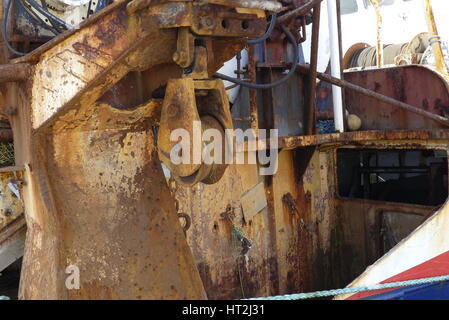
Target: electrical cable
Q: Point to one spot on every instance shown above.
(5, 28)
(44, 5)
(33, 18)
(33, 12)
(27, 11)
(292, 39)
(29, 15)
(268, 33)
(48, 15)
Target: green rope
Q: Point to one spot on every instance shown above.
(241, 244)
(329, 293)
(4, 298)
(240, 241)
(6, 154)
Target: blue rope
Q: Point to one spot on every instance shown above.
(329, 293)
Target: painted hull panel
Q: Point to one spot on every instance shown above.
(431, 291)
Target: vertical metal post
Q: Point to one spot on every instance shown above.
(311, 110)
(380, 46)
(253, 110)
(335, 65)
(436, 45)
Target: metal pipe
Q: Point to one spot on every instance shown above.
(272, 6)
(14, 72)
(252, 71)
(335, 65)
(436, 45)
(311, 112)
(380, 97)
(298, 12)
(395, 170)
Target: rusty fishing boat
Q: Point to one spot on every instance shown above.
(93, 207)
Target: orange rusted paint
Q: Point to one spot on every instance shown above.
(95, 195)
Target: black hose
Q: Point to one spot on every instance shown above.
(268, 33)
(5, 28)
(48, 15)
(33, 18)
(53, 25)
(292, 39)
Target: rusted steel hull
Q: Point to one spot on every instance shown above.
(96, 198)
(424, 253)
(123, 236)
(308, 237)
(95, 195)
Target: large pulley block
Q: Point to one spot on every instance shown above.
(190, 108)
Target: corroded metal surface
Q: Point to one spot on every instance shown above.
(96, 197)
(381, 98)
(407, 136)
(95, 194)
(313, 238)
(99, 215)
(14, 72)
(193, 106)
(415, 85)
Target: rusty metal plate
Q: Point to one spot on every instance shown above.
(415, 85)
(254, 201)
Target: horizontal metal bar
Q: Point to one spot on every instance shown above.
(395, 170)
(272, 6)
(14, 72)
(12, 169)
(298, 12)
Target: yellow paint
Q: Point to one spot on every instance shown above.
(436, 45)
(380, 47)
